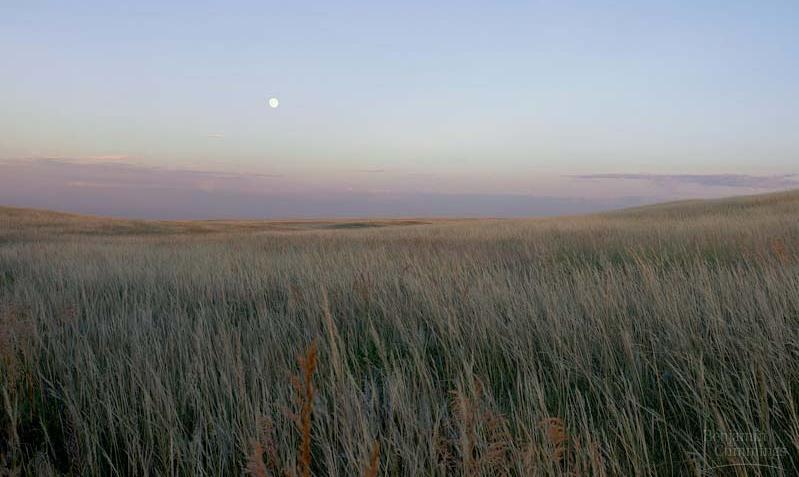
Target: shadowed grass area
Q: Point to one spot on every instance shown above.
(369, 224)
(656, 341)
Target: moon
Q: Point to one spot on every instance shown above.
(274, 103)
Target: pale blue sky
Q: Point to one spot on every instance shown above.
(487, 98)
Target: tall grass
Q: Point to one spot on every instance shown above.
(662, 341)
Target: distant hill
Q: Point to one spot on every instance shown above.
(779, 203)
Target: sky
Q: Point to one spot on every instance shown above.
(160, 109)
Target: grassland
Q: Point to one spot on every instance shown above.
(662, 340)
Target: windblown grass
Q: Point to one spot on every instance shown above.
(658, 341)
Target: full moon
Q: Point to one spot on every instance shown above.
(273, 103)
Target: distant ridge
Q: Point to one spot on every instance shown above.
(773, 202)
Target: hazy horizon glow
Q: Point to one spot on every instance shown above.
(574, 101)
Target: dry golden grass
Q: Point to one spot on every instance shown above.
(303, 386)
(373, 468)
(639, 342)
(255, 461)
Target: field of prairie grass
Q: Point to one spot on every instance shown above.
(662, 340)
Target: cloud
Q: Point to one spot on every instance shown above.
(90, 159)
(99, 172)
(369, 171)
(109, 158)
(112, 185)
(709, 180)
(215, 174)
(215, 136)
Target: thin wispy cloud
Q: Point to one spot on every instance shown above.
(707, 180)
(215, 136)
(89, 159)
(217, 174)
(102, 172)
(125, 163)
(109, 157)
(113, 185)
(369, 171)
